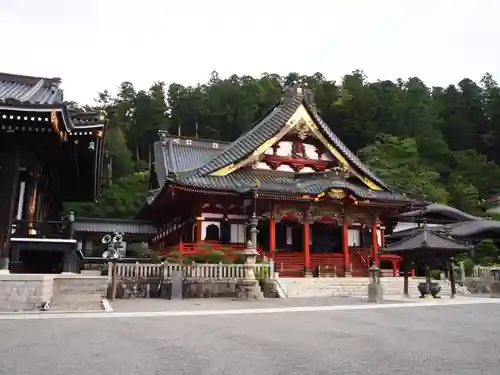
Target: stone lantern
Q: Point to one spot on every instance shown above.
(249, 287)
(374, 287)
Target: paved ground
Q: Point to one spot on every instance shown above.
(410, 340)
(158, 304)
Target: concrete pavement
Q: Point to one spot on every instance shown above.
(457, 339)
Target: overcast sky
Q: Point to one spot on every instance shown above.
(96, 44)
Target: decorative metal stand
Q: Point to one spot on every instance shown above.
(114, 242)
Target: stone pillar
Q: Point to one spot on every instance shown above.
(67, 261)
(462, 272)
(495, 283)
(307, 250)
(345, 248)
(374, 287)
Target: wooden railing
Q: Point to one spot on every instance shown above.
(363, 256)
(194, 271)
(479, 273)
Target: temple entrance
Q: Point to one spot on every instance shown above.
(326, 238)
(32, 261)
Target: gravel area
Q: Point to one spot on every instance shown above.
(458, 340)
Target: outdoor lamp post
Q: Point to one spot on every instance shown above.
(374, 287)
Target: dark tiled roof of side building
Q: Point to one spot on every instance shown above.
(37, 92)
(97, 225)
(181, 154)
(426, 238)
(439, 209)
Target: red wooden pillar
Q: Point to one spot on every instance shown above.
(272, 237)
(345, 247)
(307, 250)
(199, 228)
(395, 268)
(375, 244)
(181, 246)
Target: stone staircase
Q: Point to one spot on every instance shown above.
(350, 287)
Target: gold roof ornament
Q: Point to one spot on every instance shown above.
(337, 194)
(54, 121)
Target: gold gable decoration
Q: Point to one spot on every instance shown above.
(301, 124)
(337, 193)
(54, 121)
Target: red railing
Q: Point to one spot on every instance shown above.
(203, 248)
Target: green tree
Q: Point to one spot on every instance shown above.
(120, 200)
(396, 161)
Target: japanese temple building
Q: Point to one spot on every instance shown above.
(49, 154)
(316, 203)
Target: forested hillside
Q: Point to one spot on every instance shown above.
(438, 142)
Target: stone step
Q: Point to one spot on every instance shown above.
(301, 287)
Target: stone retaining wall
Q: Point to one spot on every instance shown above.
(29, 291)
(24, 292)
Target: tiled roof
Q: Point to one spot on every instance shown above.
(266, 128)
(440, 209)
(83, 119)
(245, 180)
(178, 155)
(109, 225)
(343, 149)
(190, 162)
(473, 228)
(37, 92)
(426, 238)
(29, 90)
(271, 124)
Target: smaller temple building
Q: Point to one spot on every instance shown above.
(49, 154)
(315, 204)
